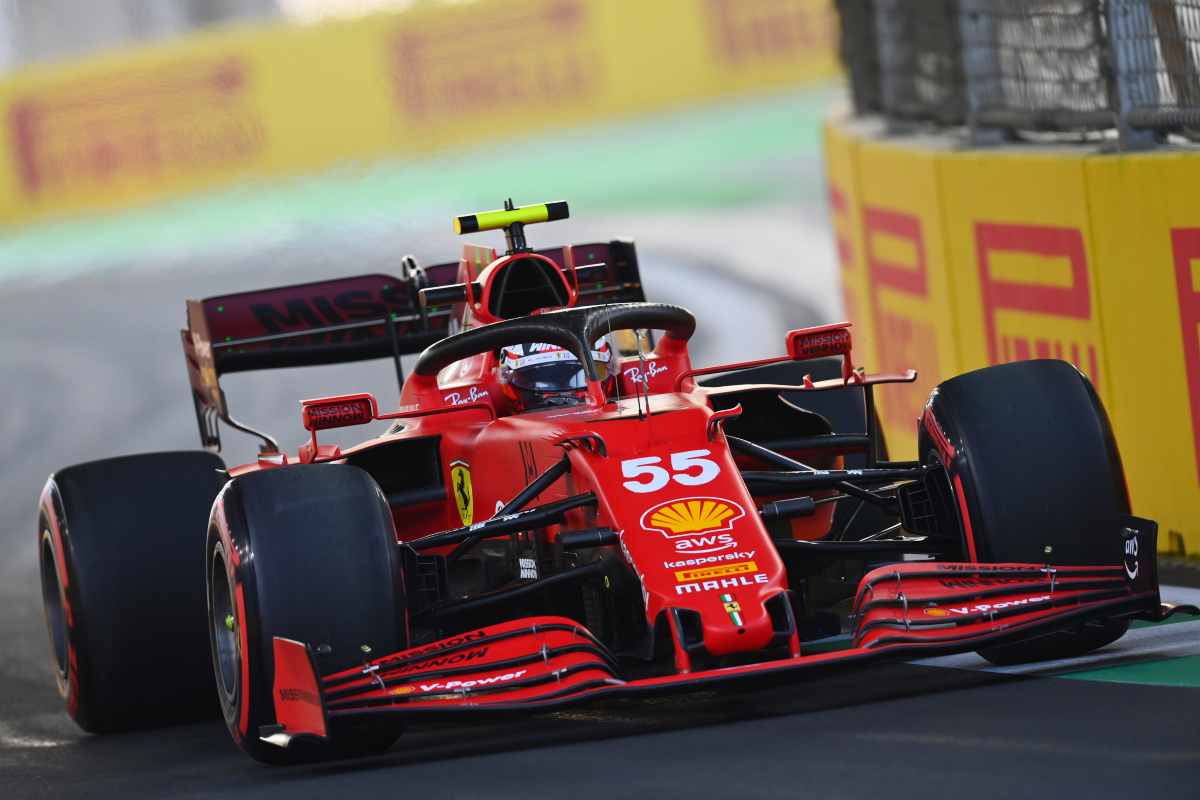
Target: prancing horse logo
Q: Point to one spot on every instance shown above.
(464, 495)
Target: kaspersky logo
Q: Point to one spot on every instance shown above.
(692, 515)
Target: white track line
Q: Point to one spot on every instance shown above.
(10, 738)
(1180, 594)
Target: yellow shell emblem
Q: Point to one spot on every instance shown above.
(692, 515)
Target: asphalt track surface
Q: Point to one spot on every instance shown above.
(92, 369)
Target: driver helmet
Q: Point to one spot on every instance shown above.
(540, 375)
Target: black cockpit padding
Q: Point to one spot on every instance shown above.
(574, 329)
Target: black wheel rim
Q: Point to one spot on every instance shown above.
(52, 601)
(223, 623)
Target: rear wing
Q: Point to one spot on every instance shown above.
(353, 319)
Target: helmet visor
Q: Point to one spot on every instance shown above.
(558, 376)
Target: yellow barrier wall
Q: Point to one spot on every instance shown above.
(1033, 253)
(845, 214)
(1146, 223)
(908, 291)
(160, 122)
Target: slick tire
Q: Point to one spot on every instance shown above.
(307, 553)
(1032, 462)
(119, 545)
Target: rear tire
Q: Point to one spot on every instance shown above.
(1033, 464)
(122, 587)
(308, 553)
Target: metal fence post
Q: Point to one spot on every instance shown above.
(894, 61)
(1132, 37)
(981, 67)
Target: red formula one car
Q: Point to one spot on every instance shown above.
(565, 508)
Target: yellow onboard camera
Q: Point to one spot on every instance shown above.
(512, 219)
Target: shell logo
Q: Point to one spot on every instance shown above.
(692, 515)
(936, 612)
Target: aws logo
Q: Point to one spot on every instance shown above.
(692, 545)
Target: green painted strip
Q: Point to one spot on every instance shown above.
(1184, 672)
(721, 155)
(1141, 623)
(826, 645)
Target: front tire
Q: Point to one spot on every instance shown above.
(307, 553)
(1033, 465)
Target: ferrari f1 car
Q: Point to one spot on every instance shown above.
(564, 508)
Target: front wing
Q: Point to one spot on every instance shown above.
(909, 610)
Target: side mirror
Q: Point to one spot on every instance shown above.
(449, 294)
(340, 411)
(822, 341)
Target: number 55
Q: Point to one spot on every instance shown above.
(682, 465)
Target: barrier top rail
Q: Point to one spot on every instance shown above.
(1010, 69)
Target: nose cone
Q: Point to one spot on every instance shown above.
(708, 575)
(696, 542)
(728, 600)
(690, 531)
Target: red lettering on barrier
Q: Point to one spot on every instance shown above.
(1185, 244)
(902, 340)
(193, 115)
(840, 212)
(760, 30)
(845, 249)
(1071, 302)
(512, 56)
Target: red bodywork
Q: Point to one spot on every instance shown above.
(691, 540)
(669, 483)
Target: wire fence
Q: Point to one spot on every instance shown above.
(859, 54)
(920, 60)
(1157, 48)
(1037, 64)
(1061, 66)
